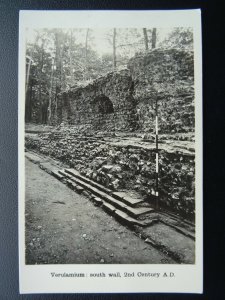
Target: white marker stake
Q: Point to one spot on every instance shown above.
(157, 154)
(157, 163)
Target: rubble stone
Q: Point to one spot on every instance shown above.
(89, 119)
(126, 101)
(176, 170)
(168, 76)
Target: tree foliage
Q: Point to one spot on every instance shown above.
(58, 59)
(180, 38)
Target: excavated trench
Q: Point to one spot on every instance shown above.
(171, 235)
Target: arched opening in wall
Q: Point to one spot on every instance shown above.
(103, 112)
(103, 105)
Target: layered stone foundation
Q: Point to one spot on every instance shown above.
(119, 163)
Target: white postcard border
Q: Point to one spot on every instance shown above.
(37, 278)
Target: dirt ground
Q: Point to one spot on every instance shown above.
(63, 227)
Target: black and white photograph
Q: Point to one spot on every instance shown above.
(110, 149)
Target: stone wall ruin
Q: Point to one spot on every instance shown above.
(105, 104)
(167, 75)
(97, 120)
(130, 95)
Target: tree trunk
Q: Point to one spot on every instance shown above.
(28, 95)
(40, 100)
(57, 65)
(28, 74)
(153, 38)
(58, 60)
(114, 49)
(28, 104)
(86, 55)
(145, 38)
(50, 96)
(71, 63)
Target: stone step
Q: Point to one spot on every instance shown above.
(127, 199)
(98, 201)
(57, 174)
(49, 168)
(123, 210)
(114, 202)
(63, 173)
(121, 196)
(71, 184)
(99, 193)
(108, 207)
(123, 217)
(33, 157)
(74, 186)
(134, 212)
(79, 189)
(76, 174)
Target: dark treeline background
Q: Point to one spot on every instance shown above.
(58, 59)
